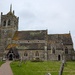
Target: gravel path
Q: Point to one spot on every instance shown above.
(5, 69)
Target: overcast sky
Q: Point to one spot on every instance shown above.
(58, 16)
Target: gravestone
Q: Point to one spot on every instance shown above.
(48, 74)
(61, 67)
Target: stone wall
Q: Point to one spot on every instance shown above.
(31, 54)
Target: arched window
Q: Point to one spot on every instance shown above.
(36, 53)
(53, 51)
(4, 23)
(25, 54)
(9, 22)
(66, 50)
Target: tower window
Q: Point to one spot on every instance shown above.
(4, 23)
(9, 22)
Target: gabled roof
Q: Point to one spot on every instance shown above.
(61, 38)
(30, 35)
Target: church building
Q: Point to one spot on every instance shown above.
(32, 44)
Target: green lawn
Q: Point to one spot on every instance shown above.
(36, 68)
(41, 68)
(1, 62)
(69, 68)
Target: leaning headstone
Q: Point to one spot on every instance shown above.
(61, 68)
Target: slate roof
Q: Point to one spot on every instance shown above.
(30, 35)
(33, 46)
(64, 39)
(58, 40)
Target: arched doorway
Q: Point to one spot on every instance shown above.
(59, 57)
(13, 54)
(10, 56)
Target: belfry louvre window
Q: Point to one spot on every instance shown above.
(4, 23)
(9, 22)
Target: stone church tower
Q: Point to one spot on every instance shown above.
(9, 25)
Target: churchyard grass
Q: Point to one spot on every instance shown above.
(69, 68)
(35, 68)
(42, 68)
